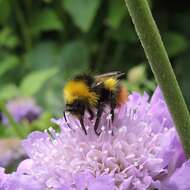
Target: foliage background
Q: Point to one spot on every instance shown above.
(45, 42)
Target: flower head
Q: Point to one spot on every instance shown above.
(140, 150)
(23, 108)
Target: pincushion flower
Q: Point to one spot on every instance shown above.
(22, 108)
(140, 150)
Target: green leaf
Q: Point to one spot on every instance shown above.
(116, 13)
(8, 91)
(7, 38)
(2, 131)
(182, 71)
(46, 20)
(41, 56)
(175, 43)
(82, 12)
(53, 99)
(6, 132)
(42, 123)
(32, 83)
(149, 85)
(5, 9)
(8, 63)
(125, 33)
(74, 58)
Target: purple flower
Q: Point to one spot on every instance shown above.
(139, 151)
(23, 108)
(180, 180)
(17, 181)
(3, 177)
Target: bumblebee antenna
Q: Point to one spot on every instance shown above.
(64, 115)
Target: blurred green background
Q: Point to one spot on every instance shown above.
(43, 43)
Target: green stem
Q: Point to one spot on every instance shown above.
(158, 59)
(23, 26)
(12, 122)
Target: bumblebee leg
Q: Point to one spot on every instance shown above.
(112, 114)
(112, 106)
(99, 113)
(91, 114)
(64, 115)
(82, 124)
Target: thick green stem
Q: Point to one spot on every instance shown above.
(158, 59)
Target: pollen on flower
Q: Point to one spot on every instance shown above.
(103, 128)
(140, 139)
(109, 116)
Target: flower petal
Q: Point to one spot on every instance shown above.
(180, 180)
(102, 183)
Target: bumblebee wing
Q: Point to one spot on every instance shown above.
(99, 79)
(115, 74)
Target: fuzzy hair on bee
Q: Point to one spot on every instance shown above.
(90, 93)
(76, 89)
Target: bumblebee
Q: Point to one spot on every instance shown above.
(90, 93)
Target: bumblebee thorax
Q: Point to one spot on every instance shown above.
(110, 83)
(79, 90)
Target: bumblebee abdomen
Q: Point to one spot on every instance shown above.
(122, 95)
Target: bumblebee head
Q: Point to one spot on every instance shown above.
(77, 108)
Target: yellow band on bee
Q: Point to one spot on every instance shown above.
(110, 83)
(79, 90)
